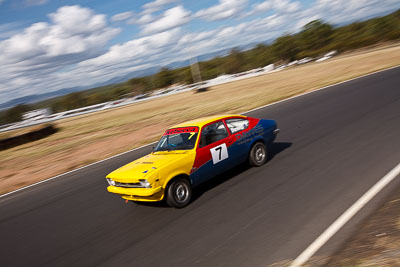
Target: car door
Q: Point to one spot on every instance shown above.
(212, 156)
(238, 128)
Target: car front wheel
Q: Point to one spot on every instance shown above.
(258, 154)
(179, 193)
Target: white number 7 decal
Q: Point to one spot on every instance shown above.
(219, 153)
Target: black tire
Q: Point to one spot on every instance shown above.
(258, 154)
(179, 193)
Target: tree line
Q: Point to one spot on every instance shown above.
(314, 39)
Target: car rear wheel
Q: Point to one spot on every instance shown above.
(179, 193)
(258, 154)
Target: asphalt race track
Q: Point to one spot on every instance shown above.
(334, 145)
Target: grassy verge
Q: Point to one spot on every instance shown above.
(85, 139)
(377, 241)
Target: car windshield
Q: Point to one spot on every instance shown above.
(178, 139)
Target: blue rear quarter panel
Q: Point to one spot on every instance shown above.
(266, 135)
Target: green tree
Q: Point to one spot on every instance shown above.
(349, 37)
(384, 28)
(163, 78)
(263, 55)
(70, 101)
(315, 35)
(285, 48)
(233, 62)
(96, 98)
(212, 68)
(183, 75)
(140, 85)
(14, 114)
(121, 90)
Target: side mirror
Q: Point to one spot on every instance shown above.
(152, 149)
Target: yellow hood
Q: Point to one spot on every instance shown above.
(145, 167)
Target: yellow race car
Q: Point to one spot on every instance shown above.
(189, 154)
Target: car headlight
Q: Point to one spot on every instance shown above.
(145, 183)
(111, 182)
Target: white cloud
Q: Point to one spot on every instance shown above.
(197, 37)
(223, 10)
(73, 34)
(75, 20)
(120, 59)
(147, 16)
(285, 6)
(263, 6)
(342, 11)
(145, 19)
(131, 18)
(279, 6)
(136, 50)
(156, 5)
(122, 16)
(171, 18)
(227, 37)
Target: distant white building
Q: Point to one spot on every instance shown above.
(37, 114)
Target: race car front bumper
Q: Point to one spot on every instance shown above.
(138, 194)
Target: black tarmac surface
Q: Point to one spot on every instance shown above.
(333, 146)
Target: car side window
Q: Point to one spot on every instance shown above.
(213, 133)
(237, 125)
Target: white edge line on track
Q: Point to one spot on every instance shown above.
(270, 104)
(345, 217)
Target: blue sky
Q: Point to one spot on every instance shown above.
(46, 45)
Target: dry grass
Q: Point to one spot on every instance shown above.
(92, 137)
(377, 240)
